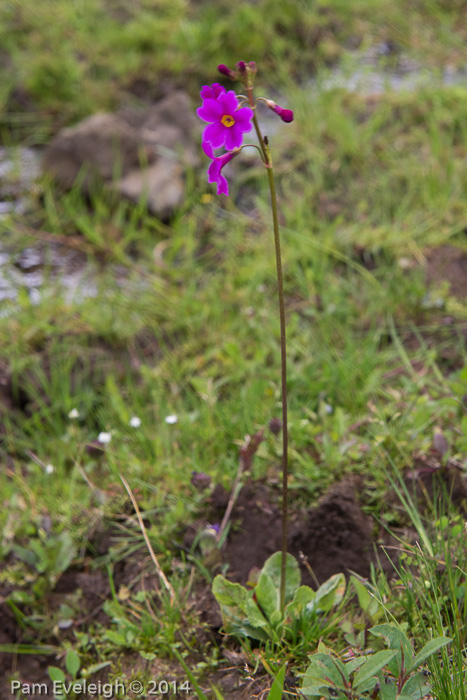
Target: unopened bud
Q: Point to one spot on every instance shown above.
(226, 71)
(285, 114)
(253, 67)
(200, 480)
(241, 67)
(275, 425)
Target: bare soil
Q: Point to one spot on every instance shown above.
(334, 536)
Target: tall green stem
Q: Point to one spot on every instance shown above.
(280, 285)
(285, 437)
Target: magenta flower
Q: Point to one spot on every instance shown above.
(215, 171)
(227, 123)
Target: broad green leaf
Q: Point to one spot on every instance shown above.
(26, 555)
(72, 662)
(329, 594)
(228, 593)
(272, 567)
(267, 595)
(387, 690)
(372, 666)
(397, 640)
(430, 648)
(116, 638)
(254, 615)
(303, 596)
(278, 686)
(56, 674)
(276, 618)
(321, 673)
(352, 666)
(416, 687)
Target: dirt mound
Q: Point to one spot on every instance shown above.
(447, 263)
(335, 536)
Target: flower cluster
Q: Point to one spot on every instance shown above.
(228, 121)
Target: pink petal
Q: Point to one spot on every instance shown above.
(244, 114)
(215, 175)
(215, 135)
(233, 138)
(214, 171)
(222, 186)
(207, 148)
(229, 102)
(210, 111)
(212, 91)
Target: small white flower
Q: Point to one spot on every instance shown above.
(135, 422)
(328, 408)
(171, 419)
(104, 438)
(74, 413)
(49, 469)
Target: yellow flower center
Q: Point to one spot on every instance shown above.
(227, 120)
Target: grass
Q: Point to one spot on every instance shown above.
(96, 52)
(183, 320)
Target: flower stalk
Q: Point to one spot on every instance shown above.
(266, 152)
(228, 122)
(285, 437)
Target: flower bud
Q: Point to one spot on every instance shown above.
(285, 114)
(253, 67)
(241, 67)
(226, 71)
(275, 425)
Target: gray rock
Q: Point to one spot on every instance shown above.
(102, 144)
(140, 153)
(161, 185)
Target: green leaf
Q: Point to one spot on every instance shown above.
(415, 688)
(430, 648)
(272, 567)
(278, 686)
(116, 638)
(72, 662)
(267, 595)
(322, 673)
(388, 689)
(56, 674)
(94, 668)
(66, 552)
(233, 595)
(353, 665)
(329, 594)
(372, 666)
(364, 599)
(303, 596)
(397, 640)
(255, 616)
